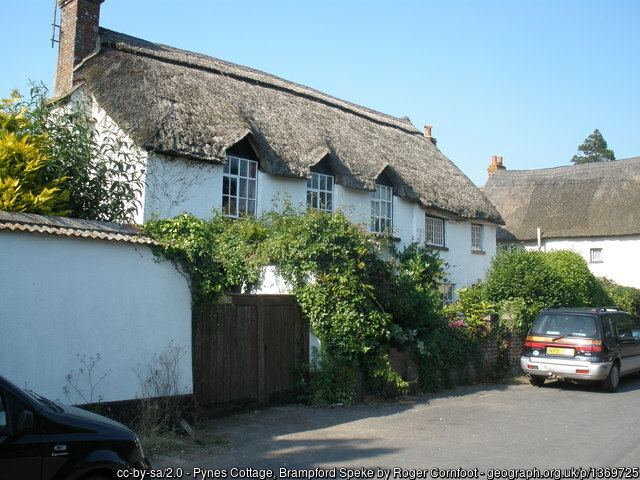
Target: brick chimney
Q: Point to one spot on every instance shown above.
(496, 164)
(78, 39)
(427, 133)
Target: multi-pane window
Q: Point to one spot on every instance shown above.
(434, 231)
(382, 209)
(595, 255)
(447, 290)
(239, 187)
(320, 192)
(476, 236)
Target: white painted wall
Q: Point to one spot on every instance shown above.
(65, 299)
(620, 255)
(466, 266)
(177, 185)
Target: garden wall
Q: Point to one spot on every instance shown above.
(86, 309)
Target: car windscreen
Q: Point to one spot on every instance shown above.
(565, 325)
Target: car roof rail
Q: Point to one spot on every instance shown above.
(608, 309)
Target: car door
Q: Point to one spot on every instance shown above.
(20, 455)
(628, 332)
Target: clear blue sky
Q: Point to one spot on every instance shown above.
(526, 80)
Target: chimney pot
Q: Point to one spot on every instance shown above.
(427, 133)
(496, 164)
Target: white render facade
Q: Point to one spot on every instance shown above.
(177, 185)
(615, 258)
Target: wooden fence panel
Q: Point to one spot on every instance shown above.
(246, 351)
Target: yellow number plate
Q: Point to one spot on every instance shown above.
(567, 352)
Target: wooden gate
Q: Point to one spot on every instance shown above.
(247, 350)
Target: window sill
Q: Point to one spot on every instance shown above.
(478, 252)
(391, 238)
(596, 261)
(436, 247)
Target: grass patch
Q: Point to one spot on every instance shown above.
(171, 443)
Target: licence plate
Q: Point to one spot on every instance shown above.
(566, 352)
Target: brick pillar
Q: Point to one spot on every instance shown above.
(79, 34)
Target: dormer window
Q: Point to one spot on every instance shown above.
(382, 209)
(240, 181)
(320, 186)
(320, 192)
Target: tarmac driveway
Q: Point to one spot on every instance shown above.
(485, 427)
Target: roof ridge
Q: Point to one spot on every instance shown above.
(138, 46)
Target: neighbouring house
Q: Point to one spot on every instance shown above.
(215, 135)
(593, 209)
(87, 311)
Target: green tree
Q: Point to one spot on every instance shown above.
(24, 186)
(99, 169)
(594, 149)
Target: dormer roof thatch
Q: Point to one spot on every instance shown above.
(190, 105)
(589, 200)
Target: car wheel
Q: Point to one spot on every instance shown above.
(610, 384)
(536, 381)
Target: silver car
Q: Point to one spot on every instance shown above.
(582, 345)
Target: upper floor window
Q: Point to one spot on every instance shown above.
(320, 192)
(382, 209)
(476, 236)
(434, 231)
(595, 255)
(239, 187)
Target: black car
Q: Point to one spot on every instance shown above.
(43, 440)
(582, 345)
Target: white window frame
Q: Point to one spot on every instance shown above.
(320, 192)
(595, 255)
(477, 234)
(239, 187)
(434, 233)
(382, 210)
(448, 292)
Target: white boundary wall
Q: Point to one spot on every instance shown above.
(67, 299)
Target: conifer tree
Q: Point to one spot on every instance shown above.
(593, 149)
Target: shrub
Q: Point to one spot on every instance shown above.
(579, 286)
(522, 283)
(627, 298)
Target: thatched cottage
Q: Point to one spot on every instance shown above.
(215, 135)
(593, 209)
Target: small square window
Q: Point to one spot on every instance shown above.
(595, 255)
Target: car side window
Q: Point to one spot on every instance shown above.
(608, 331)
(3, 413)
(624, 325)
(635, 327)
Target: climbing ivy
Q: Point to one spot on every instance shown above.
(359, 294)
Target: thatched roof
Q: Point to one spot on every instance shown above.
(589, 200)
(189, 105)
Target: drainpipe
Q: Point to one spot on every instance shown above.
(539, 233)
